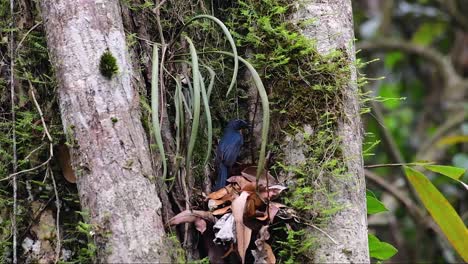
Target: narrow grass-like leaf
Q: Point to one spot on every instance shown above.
(231, 42)
(212, 79)
(441, 211)
(179, 120)
(155, 107)
(208, 119)
(196, 101)
(265, 110)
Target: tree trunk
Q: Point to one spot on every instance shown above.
(102, 123)
(333, 29)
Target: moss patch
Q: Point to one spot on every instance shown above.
(108, 65)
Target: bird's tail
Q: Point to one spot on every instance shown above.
(222, 177)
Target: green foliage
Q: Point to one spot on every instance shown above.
(449, 171)
(108, 65)
(441, 211)
(303, 81)
(380, 250)
(428, 32)
(374, 206)
(294, 246)
(178, 253)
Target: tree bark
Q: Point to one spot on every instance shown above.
(102, 122)
(333, 29)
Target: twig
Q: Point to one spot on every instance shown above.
(57, 205)
(25, 35)
(13, 117)
(46, 131)
(396, 164)
(40, 114)
(13, 175)
(319, 229)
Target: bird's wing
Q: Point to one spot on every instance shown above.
(229, 148)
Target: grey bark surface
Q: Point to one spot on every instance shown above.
(101, 119)
(333, 29)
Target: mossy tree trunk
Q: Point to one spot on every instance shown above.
(101, 120)
(332, 29)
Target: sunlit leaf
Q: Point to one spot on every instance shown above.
(427, 32)
(380, 250)
(441, 210)
(452, 140)
(449, 171)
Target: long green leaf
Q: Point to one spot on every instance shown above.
(231, 42)
(212, 79)
(155, 107)
(441, 211)
(196, 101)
(208, 119)
(179, 118)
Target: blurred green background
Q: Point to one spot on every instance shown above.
(419, 54)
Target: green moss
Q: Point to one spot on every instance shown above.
(108, 65)
(177, 253)
(114, 120)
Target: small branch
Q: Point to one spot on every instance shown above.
(25, 35)
(13, 118)
(46, 131)
(394, 165)
(303, 221)
(57, 217)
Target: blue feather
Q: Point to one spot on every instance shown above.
(228, 150)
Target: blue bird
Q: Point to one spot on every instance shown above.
(228, 149)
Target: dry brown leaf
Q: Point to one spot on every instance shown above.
(191, 216)
(240, 180)
(243, 233)
(200, 225)
(263, 253)
(250, 173)
(279, 205)
(63, 157)
(252, 205)
(222, 211)
(215, 203)
(262, 217)
(250, 187)
(220, 193)
(270, 259)
(273, 192)
(272, 211)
